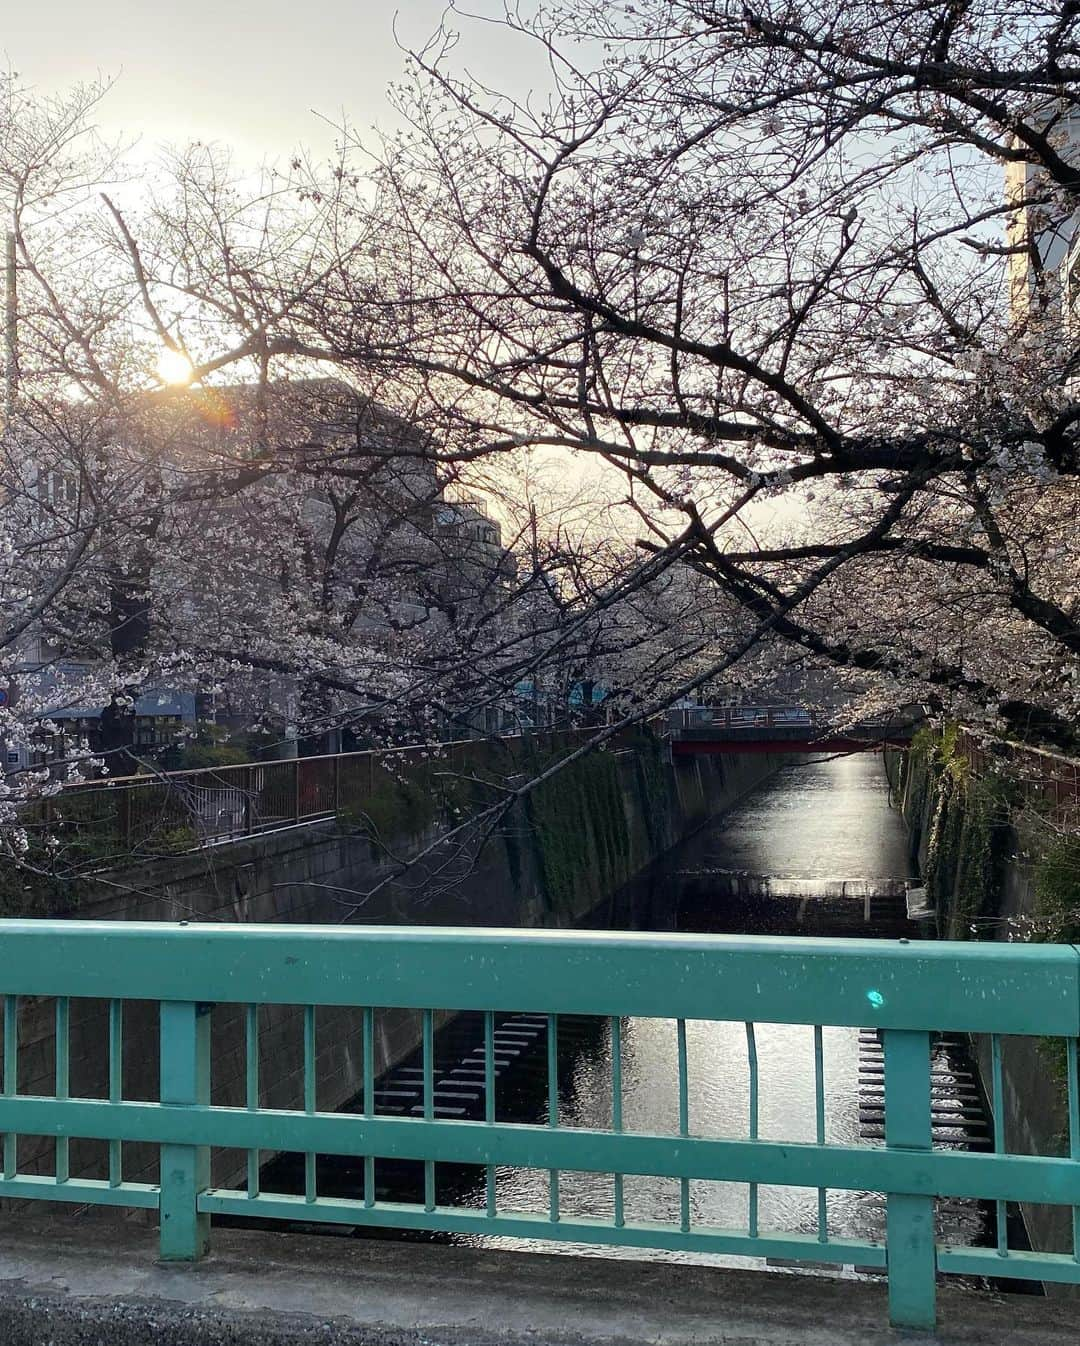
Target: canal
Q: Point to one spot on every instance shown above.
(817, 850)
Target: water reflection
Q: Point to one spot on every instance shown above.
(718, 1107)
(826, 827)
(827, 821)
(818, 824)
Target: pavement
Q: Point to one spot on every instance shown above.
(93, 1282)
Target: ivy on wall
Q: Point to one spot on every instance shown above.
(82, 836)
(967, 818)
(970, 825)
(576, 837)
(1057, 889)
(393, 801)
(395, 806)
(655, 789)
(580, 832)
(576, 823)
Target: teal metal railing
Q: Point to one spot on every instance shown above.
(907, 991)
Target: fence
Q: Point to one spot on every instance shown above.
(183, 810)
(739, 717)
(747, 723)
(904, 991)
(1049, 781)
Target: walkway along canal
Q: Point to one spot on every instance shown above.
(816, 850)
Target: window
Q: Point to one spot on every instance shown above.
(57, 488)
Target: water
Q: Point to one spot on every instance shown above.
(815, 830)
(833, 852)
(823, 826)
(813, 820)
(719, 1107)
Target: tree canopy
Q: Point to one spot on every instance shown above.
(755, 328)
(797, 250)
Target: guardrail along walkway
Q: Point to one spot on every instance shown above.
(905, 991)
(170, 811)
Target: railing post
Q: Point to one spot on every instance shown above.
(185, 1169)
(123, 816)
(912, 1260)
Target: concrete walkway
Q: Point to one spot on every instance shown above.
(89, 1282)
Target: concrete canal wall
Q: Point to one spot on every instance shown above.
(996, 866)
(558, 854)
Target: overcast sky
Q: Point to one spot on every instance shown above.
(249, 73)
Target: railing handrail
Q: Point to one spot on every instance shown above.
(788, 708)
(205, 806)
(908, 991)
(941, 985)
(157, 777)
(1011, 748)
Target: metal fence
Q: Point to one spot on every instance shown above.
(1048, 781)
(740, 717)
(903, 991)
(746, 724)
(183, 810)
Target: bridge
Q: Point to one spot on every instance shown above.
(902, 992)
(782, 729)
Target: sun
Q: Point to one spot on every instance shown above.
(174, 367)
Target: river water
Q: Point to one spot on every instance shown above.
(834, 852)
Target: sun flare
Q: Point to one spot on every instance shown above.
(174, 367)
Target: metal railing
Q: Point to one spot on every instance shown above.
(740, 717)
(184, 810)
(193, 972)
(1048, 781)
(746, 723)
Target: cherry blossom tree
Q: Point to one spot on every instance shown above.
(792, 272)
(51, 166)
(776, 288)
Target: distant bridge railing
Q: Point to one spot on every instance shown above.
(750, 724)
(749, 719)
(904, 991)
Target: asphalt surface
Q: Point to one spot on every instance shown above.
(96, 1282)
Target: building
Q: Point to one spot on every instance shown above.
(475, 566)
(260, 516)
(1041, 232)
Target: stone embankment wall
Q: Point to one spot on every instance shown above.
(1000, 858)
(560, 853)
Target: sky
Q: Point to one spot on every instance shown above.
(258, 75)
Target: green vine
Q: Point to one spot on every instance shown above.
(654, 789)
(1057, 889)
(968, 819)
(579, 825)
